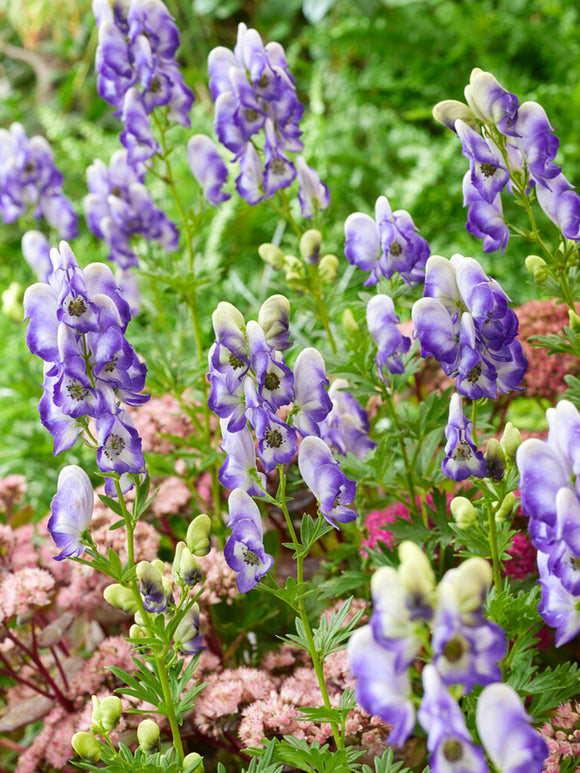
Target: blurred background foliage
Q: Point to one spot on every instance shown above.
(368, 73)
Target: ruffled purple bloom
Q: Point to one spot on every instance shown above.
(346, 427)
(187, 636)
(29, 181)
(119, 444)
(561, 204)
(491, 103)
(381, 689)
(488, 174)
(72, 509)
(462, 459)
(277, 442)
(537, 143)
(450, 745)
(208, 168)
(391, 343)
(239, 469)
(386, 244)
(506, 733)
(323, 476)
(244, 549)
(311, 398)
(485, 218)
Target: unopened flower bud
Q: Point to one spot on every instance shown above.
(274, 319)
(149, 577)
(463, 512)
(137, 632)
(505, 510)
(158, 564)
(148, 736)
(472, 580)
(187, 636)
(328, 269)
(294, 272)
(537, 267)
(189, 568)
(228, 323)
(349, 323)
(511, 440)
(448, 111)
(86, 746)
(189, 763)
(122, 598)
(310, 246)
(416, 574)
(108, 712)
(574, 320)
(271, 255)
(494, 460)
(197, 537)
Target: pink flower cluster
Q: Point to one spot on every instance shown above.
(158, 419)
(562, 735)
(12, 490)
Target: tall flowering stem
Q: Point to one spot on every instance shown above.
(300, 556)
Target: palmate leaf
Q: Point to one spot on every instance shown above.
(332, 635)
(387, 764)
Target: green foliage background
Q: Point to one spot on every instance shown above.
(368, 72)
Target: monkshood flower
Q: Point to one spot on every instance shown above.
(151, 586)
(467, 648)
(312, 192)
(36, 251)
(562, 205)
(505, 731)
(558, 606)
(386, 244)
(391, 343)
(244, 549)
(323, 476)
(346, 427)
(208, 168)
(137, 71)
(29, 181)
(187, 637)
(450, 745)
(381, 689)
(311, 399)
(119, 207)
(485, 218)
(71, 508)
(239, 469)
(462, 459)
(488, 174)
(254, 92)
(490, 102)
(465, 323)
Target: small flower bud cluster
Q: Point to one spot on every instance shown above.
(464, 321)
(297, 273)
(77, 326)
(253, 90)
(386, 244)
(549, 494)
(119, 207)
(29, 181)
(506, 142)
(466, 647)
(137, 71)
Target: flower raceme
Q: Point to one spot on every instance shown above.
(76, 325)
(464, 321)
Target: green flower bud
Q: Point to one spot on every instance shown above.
(537, 267)
(190, 761)
(415, 571)
(111, 709)
(148, 736)
(448, 111)
(463, 512)
(349, 323)
(274, 315)
(574, 321)
(149, 577)
(189, 568)
(503, 513)
(494, 460)
(271, 255)
(159, 564)
(122, 598)
(310, 246)
(86, 746)
(177, 560)
(328, 269)
(197, 537)
(471, 581)
(511, 440)
(137, 632)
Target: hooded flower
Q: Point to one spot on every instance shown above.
(323, 476)
(71, 508)
(244, 550)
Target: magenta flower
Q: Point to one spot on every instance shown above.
(71, 508)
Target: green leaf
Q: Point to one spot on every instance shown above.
(116, 565)
(112, 504)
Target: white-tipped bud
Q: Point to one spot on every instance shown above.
(310, 246)
(416, 574)
(472, 580)
(449, 110)
(228, 324)
(504, 511)
(271, 255)
(494, 459)
(86, 746)
(537, 267)
(149, 577)
(193, 763)
(106, 714)
(121, 598)
(349, 323)
(189, 568)
(148, 736)
(137, 632)
(511, 440)
(197, 537)
(328, 269)
(274, 317)
(463, 512)
(158, 564)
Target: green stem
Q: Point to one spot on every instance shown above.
(492, 536)
(389, 402)
(316, 660)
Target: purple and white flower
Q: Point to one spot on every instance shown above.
(244, 549)
(391, 343)
(462, 459)
(71, 511)
(323, 476)
(208, 168)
